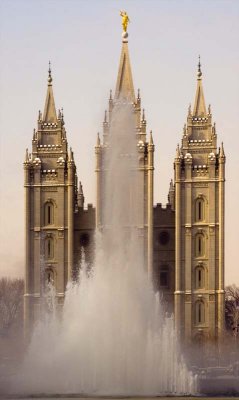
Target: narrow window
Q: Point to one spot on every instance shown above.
(199, 278)
(199, 210)
(199, 245)
(200, 313)
(49, 248)
(49, 213)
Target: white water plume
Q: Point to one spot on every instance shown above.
(112, 338)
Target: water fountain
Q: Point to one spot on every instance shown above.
(112, 338)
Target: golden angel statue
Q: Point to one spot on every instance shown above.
(125, 20)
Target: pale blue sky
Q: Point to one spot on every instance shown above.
(83, 41)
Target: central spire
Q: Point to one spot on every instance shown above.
(199, 105)
(50, 109)
(124, 85)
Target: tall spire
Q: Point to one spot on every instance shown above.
(49, 114)
(124, 85)
(199, 105)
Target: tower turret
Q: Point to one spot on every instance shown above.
(199, 226)
(50, 177)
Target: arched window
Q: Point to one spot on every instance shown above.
(199, 245)
(199, 278)
(199, 313)
(49, 248)
(199, 210)
(49, 213)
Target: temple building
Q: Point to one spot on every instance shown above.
(182, 243)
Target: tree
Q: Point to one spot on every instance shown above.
(232, 309)
(11, 303)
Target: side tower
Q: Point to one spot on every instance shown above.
(199, 226)
(125, 92)
(50, 198)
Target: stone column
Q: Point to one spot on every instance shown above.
(178, 277)
(38, 259)
(27, 289)
(98, 171)
(62, 274)
(221, 292)
(211, 219)
(150, 205)
(70, 213)
(188, 246)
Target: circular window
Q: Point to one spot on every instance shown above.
(84, 239)
(164, 237)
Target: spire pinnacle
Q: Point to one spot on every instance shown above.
(124, 85)
(27, 156)
(49, 114)
(222, 152)
(143, 115)
(151, 138)
(80, 196)
(199, 105)
(177, 151)
(105, 117)
(98, 139)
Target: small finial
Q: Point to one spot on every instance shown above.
(105, 117)
(49, 74)
(199, 73)
(222, 153)
(143, 115)
(59, 114)
(39, 115)
(71, 155)
(27, 156)
(209, 109)
(185, 130)
(138, 94)
(177, 152)
(110, 94)
(151, 138)
(189, 110)
(98, 139)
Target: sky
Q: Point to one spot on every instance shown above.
(83, 41)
